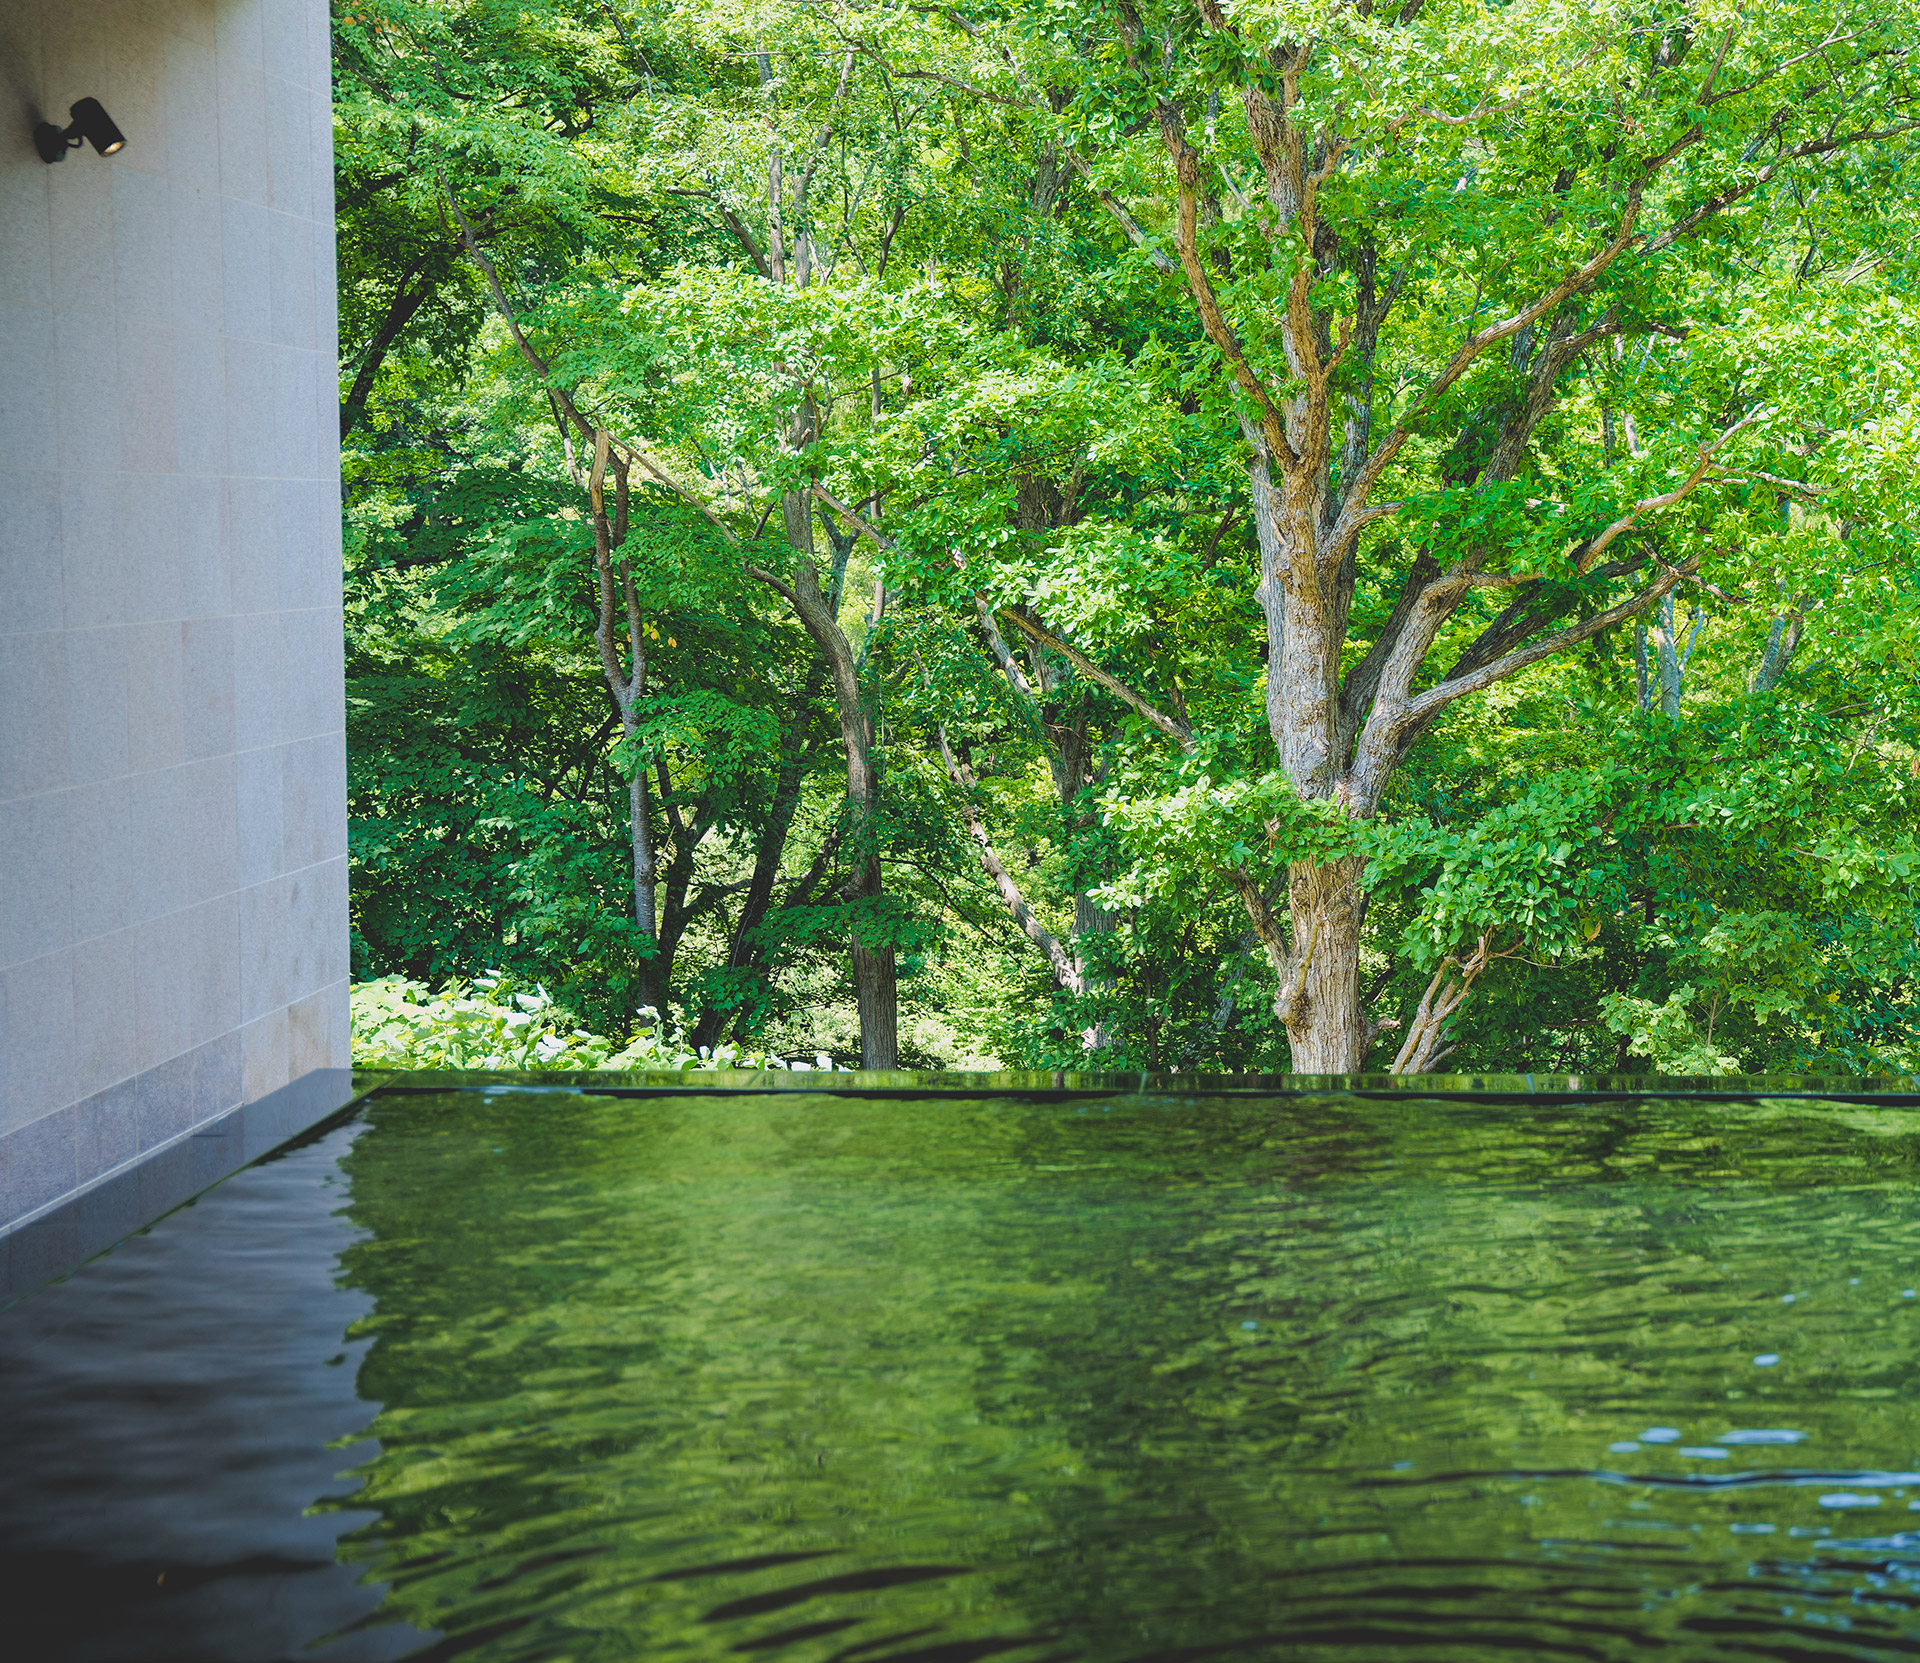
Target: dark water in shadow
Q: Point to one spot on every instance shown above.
(832, 1381)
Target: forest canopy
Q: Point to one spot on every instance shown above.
(1141, 536)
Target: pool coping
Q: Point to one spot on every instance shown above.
(1891, 1091)
(55, 1240)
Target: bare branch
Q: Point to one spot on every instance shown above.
(685, 492)
(1471, 116)
(781, 588)
(858, 521)
(1734, 193)
(1265, 925)
(1475, 345)
(960, 86)
(1719, 58)
(1003, 655)
(500, 301)
(1127, 223)
(1177, 731)
(1363, 680)
(1186, 241)
(1422, 1047)
(1065, 971)
(824, 135)
(1799, 485)
(1832, 40)
(1703, 466)
(1419, 709)
(618, 683)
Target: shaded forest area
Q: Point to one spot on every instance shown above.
(1141, 535)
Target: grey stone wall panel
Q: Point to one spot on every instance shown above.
(173, 937)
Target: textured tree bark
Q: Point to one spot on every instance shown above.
(1342, 740)
(1782, 639)
(1320, 1000)
(877, 992)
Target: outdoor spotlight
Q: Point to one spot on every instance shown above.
(90, 122)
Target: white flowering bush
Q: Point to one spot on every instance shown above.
(489, 1023)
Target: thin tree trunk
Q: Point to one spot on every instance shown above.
(1066, 971)
(406, 301)
(1667, 641)
(653, 991)
(626, 683)
(1782, 639)
(874, 975)
(744, 953)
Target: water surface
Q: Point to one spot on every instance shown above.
(531, 1375)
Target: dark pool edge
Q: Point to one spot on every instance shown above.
(57, 1238)
(1886, 1091)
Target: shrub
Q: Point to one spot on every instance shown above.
(489, 1023)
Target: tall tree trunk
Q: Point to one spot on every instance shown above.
(626, 683)
(1782, 639)
(877, 991)
(653, 989)
(1667, 645)
(874, 975)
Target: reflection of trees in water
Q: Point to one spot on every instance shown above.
(648, 1339)
(664, 1379)
(1526, 1300)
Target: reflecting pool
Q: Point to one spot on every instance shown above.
(538, 1374)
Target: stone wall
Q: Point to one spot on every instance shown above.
(173, 884)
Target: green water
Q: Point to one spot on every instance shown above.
(822, 1380)
(814, 1378)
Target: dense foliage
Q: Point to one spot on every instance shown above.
(1154, 537)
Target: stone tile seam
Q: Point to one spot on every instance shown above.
(128, 1165)
(140, 1156)
(332, 611)
(161, 918)
(278, 343)
(78, 471)
(189, 762)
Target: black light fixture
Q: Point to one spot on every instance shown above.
(90, 122)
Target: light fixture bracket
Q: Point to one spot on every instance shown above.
(53, 144)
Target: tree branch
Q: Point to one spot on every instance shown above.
(1186, 242)
(406, 301)
(1703, 465)
(1417, 710)
(1708, 98)
(1065, 971)
(1475, 345)
(1127, 223)
(1809, 147)
(1177, 731)
(825, 134)
(960, 86)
